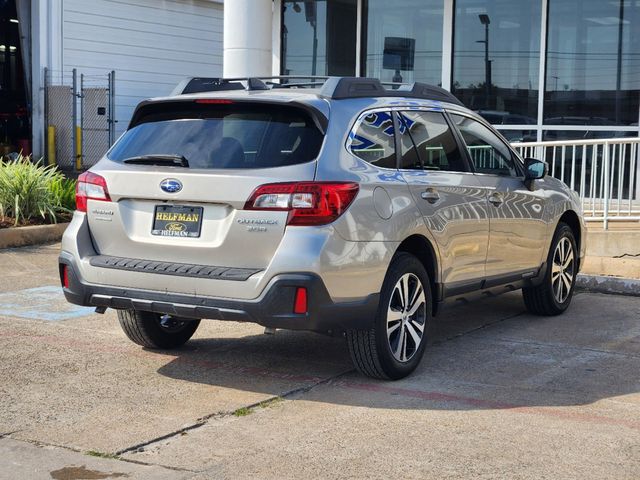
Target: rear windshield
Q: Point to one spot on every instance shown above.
(224, 136)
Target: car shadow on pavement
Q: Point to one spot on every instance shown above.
(489, 355)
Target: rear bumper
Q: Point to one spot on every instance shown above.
(273, 308)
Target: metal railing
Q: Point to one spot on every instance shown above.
(604, 172)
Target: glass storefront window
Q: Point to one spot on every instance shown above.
(403, 40)
(593, 63)
(496, 58)
(319, 37)
(567, 163)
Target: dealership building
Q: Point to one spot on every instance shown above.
(537, 69)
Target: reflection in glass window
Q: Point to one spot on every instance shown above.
(523, 135)
(427, 143)
(317, 36)
(496, 58)
(403, 40)
(593, 63)
(488, 153)
(374, 140)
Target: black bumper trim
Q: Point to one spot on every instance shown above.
(174, 269)
(274, 308)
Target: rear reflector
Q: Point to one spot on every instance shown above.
(300, 304)
(90, 187)
(65, 276)
(308, 203)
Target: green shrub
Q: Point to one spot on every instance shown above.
(64, 191)
(32, 190)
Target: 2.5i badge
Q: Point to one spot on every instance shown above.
(177, 221)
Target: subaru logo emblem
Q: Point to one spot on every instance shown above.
(171, 185)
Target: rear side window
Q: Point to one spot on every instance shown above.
(428, 143)
(224, 136)
(373, 141)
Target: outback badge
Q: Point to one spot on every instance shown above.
(171, 185)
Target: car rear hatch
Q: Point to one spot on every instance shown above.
(177, 182)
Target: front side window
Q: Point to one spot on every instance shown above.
(488, 153)
(373, 141)
(428, 143)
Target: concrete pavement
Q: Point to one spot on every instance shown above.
(500, 394)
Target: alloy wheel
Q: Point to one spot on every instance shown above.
(562, 270)
(406, 317)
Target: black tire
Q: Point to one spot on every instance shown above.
(371, 350)
(542, 299)
(149, 330)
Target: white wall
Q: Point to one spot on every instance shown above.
(151, 44)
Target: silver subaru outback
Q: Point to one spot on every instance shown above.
(341, 206)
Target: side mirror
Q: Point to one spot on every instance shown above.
(534, 170)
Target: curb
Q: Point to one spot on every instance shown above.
(602, 284)
(33, 235)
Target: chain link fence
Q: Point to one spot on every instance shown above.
(79, 118)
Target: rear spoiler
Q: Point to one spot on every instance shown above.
(158, 107)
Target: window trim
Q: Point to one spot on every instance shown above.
(518, 162)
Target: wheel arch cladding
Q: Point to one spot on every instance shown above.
(571, 218)
(420, 247)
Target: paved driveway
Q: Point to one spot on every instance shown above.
(500, 394)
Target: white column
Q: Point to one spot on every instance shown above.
(447, 44)
(46, 51)
(276, 37)
(247, 38)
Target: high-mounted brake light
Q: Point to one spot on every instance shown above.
(90, 187)
(214, 101)
(308, 203)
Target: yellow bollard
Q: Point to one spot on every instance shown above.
(51, 145)
(78, 148)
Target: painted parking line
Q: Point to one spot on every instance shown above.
(41, 303)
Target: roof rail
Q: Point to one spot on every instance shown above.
(356, 87)
(336, 88)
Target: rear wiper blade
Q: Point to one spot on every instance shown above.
(159, 159)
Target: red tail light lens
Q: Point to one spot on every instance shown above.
(308, 203)
(90, 186)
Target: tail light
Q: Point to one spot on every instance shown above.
(90, 186)
(308, 203)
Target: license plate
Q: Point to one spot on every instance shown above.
(177, 221)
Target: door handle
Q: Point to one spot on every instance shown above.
(430, 195)
(496, 199)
